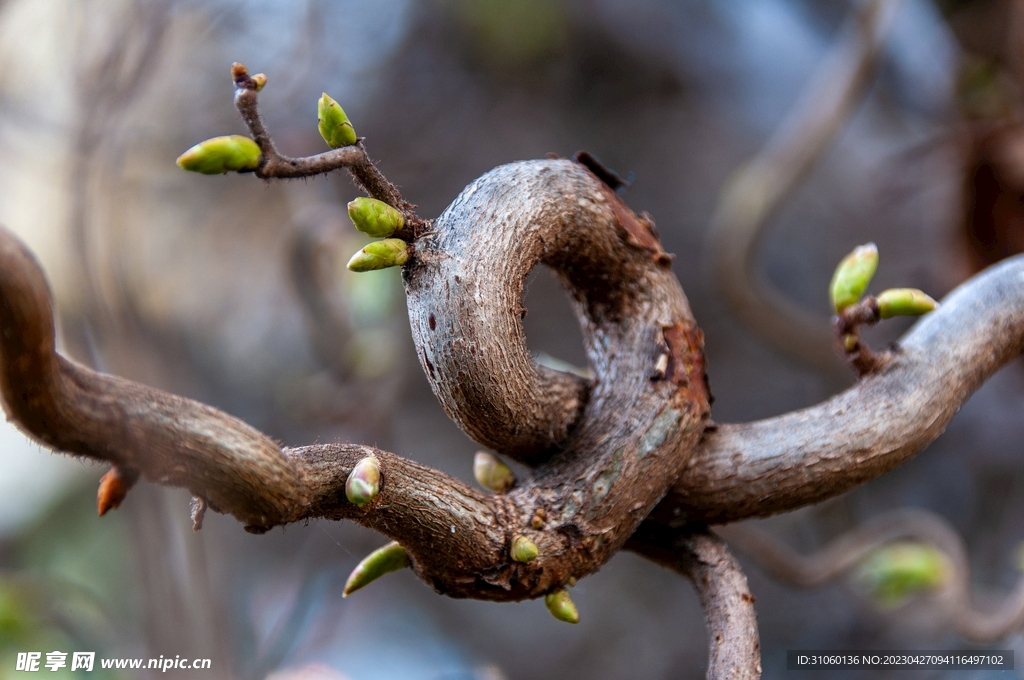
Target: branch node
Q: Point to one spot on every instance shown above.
(114, 487)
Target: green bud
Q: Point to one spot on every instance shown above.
(898, 570)
(904, 302)
(375, 218)
(391, 557)
(363, 483)
(561, 606)
(523, 549)
(853, 275)
(391, 252)
(334, 125)
(491, 473)
(260, 79)
(220, 155)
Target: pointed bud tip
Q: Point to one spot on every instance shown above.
(333, 124)
(523, 549)
(491, 473)
(363, 483)
(375, 218)
(112, 491)
(385, 560)
(904, 302)
(852, 276)
(113, 488)
(391, 252)
(561, 606)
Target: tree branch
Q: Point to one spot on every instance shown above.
(274, 165)
(649, 408)
(804, 457)
(733, 641)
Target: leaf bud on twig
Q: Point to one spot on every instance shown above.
(375, 218)
(853, 275)
(561, 606)
(898, 570)
(231, 153)
(523, 549)
(363, 482)
(334, 125)
(904, 302)
(491, 473)
(391, 252)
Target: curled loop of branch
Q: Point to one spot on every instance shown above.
(607, 452)
(637, 427)
(465, 300)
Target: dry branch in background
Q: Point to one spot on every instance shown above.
(846, 552)
(760, 186)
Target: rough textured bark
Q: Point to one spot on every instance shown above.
(804, 457)
(600, 479)
(734, 647)
(605, 452)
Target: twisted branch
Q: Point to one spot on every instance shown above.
(595, 489)
(606, 451)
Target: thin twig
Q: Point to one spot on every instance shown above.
(853, 347)
(274, 165)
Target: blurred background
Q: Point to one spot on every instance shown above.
(234, 292)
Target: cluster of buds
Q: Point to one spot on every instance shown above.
(374, 218)
(850, 282)
(846, 291)
(379, 220)
(235, 153)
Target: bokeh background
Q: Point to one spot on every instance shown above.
(234, 292)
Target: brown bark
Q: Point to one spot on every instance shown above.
(625, 442)
(734, 647)
(606, 452)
